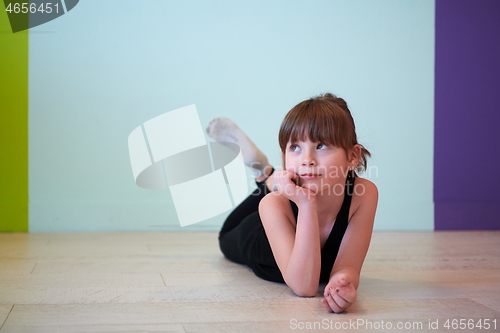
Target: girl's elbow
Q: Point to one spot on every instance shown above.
(304, 291)
(306, 294)
(303, 286)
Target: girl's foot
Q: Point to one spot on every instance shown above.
(223, 129)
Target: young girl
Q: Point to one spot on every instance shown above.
(311, 222)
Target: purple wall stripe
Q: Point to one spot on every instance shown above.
(467, 115)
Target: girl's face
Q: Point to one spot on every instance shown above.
(318, 165)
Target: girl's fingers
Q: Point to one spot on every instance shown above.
(333, 304)
(341, 302)
(284, 179)
(285, 184)
(336, 302)
(325, 304)
(340, 281)
(346, 293)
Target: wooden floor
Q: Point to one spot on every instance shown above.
(179, 282)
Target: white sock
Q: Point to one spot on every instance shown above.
(224, 130)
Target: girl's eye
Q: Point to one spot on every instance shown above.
(322, 146)
(294, 147)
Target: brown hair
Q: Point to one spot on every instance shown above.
(324, 118)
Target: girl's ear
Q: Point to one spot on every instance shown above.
(283, 160)
(354, 156)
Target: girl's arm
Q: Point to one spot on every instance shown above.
(297, 249)
(340, 291)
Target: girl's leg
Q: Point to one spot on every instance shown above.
(243, 223)
(241, 227)
(242, 238)
(224, 130)
(247, 207)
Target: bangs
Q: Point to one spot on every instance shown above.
(323, 119)
(319, 122)
(314, 129)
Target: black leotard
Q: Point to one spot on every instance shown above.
(243, 239)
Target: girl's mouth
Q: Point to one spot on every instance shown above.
(309, 175)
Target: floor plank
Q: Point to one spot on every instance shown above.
(180, 282)
(5, 309)
(26, 317)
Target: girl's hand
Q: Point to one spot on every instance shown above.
(285, 182)
(339, 294)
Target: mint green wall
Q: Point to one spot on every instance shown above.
(106, 67)
(13, 127)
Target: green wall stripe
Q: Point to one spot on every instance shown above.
(13, 127)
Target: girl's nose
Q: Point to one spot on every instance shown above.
(308, 161)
